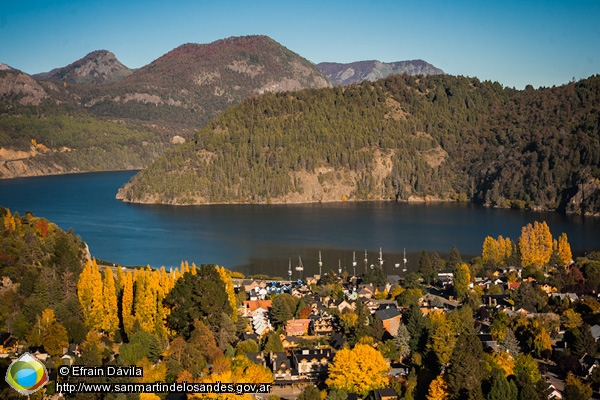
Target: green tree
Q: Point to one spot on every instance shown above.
(575, 389)
(426, 268)
(502, 389)
(454, 258)
(202, 296)
(282, 309)
(466, 370)
(462, 280)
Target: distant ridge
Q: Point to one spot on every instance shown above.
(99, 66)
(346, 74)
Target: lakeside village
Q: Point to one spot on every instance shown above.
(520, 322)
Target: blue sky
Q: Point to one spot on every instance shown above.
(542, 43)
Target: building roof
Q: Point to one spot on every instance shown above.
(388, 313)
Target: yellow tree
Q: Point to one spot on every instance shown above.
(571, 319)
(144, 303)
(229, 289)
(535, 244)
(489, 253)
(127, 304)
(438, 389)
(89, 291)
(443, 337)
(109, 295)
(563, 248)
(359, 370)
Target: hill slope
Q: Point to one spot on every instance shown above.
(403, 138)
(356, 72)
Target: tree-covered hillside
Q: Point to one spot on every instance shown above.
(401, 138)
(46, 139)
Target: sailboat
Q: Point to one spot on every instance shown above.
(405, 261)
(380, 258)
(300, 267)
(290, 270)
(354, 262)
(320, 264)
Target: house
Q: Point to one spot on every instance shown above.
(257, 358)
(256, 307)
(281, 366)
(387, 393)
(297, 327)
(391, 318)
(345, 304)
(289, 341)
(8, 343)
(311, 363)
(321, 324)
(446, 277)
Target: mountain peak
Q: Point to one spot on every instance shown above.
(99, 66)
(346, 74)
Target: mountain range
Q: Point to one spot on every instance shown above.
(356, 72)
(165, 102)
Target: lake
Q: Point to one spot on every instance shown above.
(262, 238)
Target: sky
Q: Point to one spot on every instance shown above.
(514, 42)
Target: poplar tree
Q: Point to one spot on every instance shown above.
(89, 292)
(563, 248)
(109, 297)
(127, 304)
(535, 244)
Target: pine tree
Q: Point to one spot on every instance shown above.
(502, 389)
(454, 258)
(425, 268)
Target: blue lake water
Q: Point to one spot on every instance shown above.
(262, 238)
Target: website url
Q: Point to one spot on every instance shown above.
(162, 387)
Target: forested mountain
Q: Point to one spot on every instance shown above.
(403, 137)
(193, 83)
(346, 74)
(96, 114)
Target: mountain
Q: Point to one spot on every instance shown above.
(18, 87)
(436, 137)
(97, 67)
(190, 85)
(96, 114)
(4, 67)
(356, 72)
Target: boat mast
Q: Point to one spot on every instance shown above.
(354, 262)
(290, 271)
(405, 261)
(320, 265)
(366, 261)
(300, 267)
